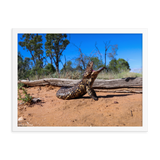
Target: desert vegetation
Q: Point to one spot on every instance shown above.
(42, 64)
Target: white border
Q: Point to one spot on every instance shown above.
(80, 30)
(81, 27)
(149, 79)
(9, 80)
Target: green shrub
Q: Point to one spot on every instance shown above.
(27, 98)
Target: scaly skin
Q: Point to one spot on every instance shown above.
(82, 87)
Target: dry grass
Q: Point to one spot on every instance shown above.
(123, 74)
(78, 75)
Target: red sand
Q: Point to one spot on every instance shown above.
(112, 109)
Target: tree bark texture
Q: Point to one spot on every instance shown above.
(129, 82)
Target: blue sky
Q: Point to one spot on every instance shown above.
(129, 47)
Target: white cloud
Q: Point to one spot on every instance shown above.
(136, 70)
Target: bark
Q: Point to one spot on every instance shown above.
(129, 82)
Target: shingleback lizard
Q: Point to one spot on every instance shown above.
(82, 87)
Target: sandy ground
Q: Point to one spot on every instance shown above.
(112, 109)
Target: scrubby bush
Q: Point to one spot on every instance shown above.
(118, 66)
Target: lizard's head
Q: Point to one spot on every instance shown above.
(88, 71)
(94, 73)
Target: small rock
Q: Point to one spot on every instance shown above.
(20, 119)
(36, 100)
(115, 102)
(21, 103)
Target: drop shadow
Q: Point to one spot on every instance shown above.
(110, 96)
(107, 96)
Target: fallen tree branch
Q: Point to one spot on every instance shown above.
(118, 91)
(129, 82)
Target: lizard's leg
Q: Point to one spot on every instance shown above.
(91, 91)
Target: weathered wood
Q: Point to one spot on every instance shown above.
(129, 82)
(118, 91)
(118, 83)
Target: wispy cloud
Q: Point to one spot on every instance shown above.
(136, 70)
(132, 60)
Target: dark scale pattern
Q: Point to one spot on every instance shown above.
(83, 87)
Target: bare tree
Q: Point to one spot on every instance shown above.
(64, 65)
(97, 51)
(113, 52)
(107, 46)
(82, 59)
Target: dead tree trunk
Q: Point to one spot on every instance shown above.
(129, 82)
